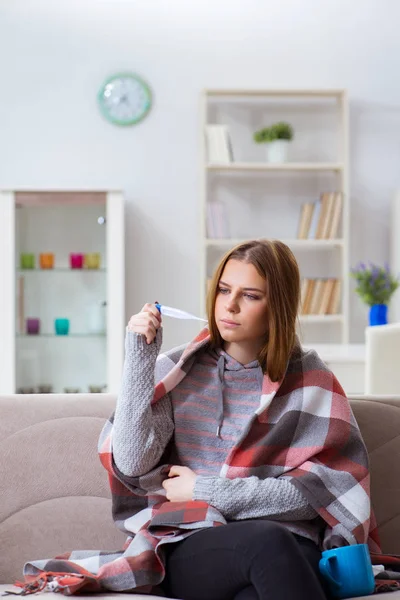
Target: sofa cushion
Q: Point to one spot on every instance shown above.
(379, 422)
(56, 496)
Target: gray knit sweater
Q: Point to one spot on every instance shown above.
(205, 413)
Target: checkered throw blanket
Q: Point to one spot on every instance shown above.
(303, 430)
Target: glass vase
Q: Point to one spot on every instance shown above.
(378, 314)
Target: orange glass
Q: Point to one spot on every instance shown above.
(46, 260)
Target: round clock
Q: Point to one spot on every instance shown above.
(124, 99)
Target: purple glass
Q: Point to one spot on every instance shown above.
(76, 261)
(32, 326)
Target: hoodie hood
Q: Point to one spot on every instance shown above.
(226, 363)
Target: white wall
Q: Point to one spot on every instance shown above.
(55, 55)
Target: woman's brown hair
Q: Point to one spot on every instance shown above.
(275, 262)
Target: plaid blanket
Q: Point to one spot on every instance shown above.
(303, 430)
(387, 580)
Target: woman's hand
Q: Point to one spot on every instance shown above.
(146, 322)
(180, 486)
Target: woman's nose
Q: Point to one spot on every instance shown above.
(231, 305)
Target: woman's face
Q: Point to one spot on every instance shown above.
(241, 304)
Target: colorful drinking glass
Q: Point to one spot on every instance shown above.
(46, 260)
(32, 326)
(97, 389)
(44, 388)
(76, 261)
(92, 260)
(27, 260)
(61, 326)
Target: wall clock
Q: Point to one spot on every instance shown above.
(124, 99)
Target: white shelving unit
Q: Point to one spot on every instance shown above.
(265, 199)
(394, 308)
(61, 222)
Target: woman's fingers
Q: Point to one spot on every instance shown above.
(146, 322)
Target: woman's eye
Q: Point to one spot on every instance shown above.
(251, 297)
(223, 290)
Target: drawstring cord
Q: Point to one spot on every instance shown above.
(221, 368)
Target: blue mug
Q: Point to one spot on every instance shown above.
(348, 571)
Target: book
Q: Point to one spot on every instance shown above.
(322, 216)
(326, 225)
(336, 216)
(217, 221)
(334, 301)
(221, 220)
(309, 297)
(316, 297)
(228, 142)
(306, 213)
(303, 292)
(326, 296)
(219, 145)
(314, 221)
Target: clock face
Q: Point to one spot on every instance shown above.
(124, 99)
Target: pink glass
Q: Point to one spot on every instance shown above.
(32, 326)
(76, 261)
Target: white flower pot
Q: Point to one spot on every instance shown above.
(277, 151)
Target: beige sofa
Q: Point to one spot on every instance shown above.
(54, 492)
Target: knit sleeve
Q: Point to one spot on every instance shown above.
(251, 497)
(141, 431)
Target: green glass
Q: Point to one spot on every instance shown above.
(27, 260)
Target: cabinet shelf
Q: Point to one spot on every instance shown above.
(321, 318)
(255, 166)
(293, 243)
(61, 270)
(54, 335)
(312, 93)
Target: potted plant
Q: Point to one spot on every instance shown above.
(375, 286)
(277, 138)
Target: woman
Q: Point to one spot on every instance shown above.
(251, 427)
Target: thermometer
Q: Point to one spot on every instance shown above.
(176, 313)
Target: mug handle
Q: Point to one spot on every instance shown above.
(324, 567)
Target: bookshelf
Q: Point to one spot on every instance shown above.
(245, 197)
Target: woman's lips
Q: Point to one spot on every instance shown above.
(230, 324)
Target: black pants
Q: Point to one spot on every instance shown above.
(244, 560)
